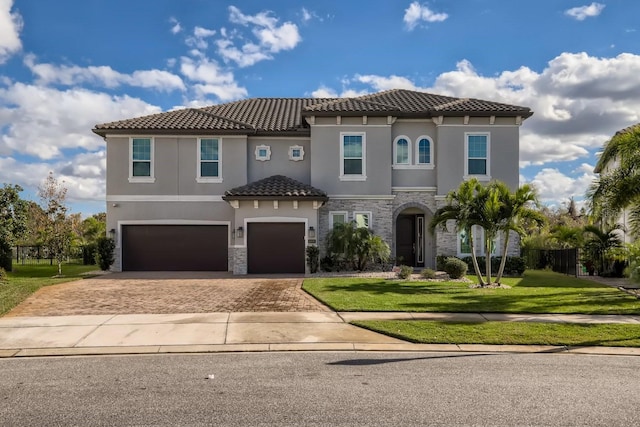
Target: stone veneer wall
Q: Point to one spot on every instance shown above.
(239, 256)
(381, 217)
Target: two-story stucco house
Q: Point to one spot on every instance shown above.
(247, 186)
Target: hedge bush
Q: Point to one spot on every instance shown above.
(455, 267)
(428, 273)
(405, 272)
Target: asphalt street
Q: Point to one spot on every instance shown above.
(333, 389)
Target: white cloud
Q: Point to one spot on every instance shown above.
(554, 186)
(42, 122)
(582, 12)
(380, 83)
(198, 40)
(10, 27)
(211, 79)
(176, 28)
(306, 15)
(104, 76)
(271, 38)
(417, 12)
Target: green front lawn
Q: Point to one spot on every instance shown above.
(537, 292)
(516, 333)
(26, 279)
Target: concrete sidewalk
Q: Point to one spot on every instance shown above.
(251, 332)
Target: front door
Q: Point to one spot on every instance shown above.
(410, 240)
(405, 243)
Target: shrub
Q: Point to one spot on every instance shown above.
(3, 275)
(6, 256)
(428, 273)
(104, 253)
(89, 254)
(405, 272)
(455, 267)
(313, 258)
(440, 261)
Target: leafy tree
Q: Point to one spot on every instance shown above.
(13, 222)
(57, 230)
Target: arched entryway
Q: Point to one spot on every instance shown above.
(414, 245)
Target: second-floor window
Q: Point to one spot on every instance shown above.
(352, 157)
(477, 155)
(413, 154)
(423, 151)
(403, 156)
(209, 168)
(141, 160)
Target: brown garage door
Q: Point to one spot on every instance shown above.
(174, 248)
(275, 247)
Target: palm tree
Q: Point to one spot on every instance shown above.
(601, 243)
(618, 188)
(517, 210)
(461, 208)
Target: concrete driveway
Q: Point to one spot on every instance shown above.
(170, 293)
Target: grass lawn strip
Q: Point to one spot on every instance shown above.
(26, 279)
(503, 333)
(537, 292)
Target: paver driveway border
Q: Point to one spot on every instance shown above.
(170, 293)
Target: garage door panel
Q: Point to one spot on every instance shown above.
(175, 248)
(276, 248)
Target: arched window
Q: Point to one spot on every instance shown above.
(402, 151)
(423, 151)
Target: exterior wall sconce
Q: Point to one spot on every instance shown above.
(312, 232)
(112, 233)
(240, 233)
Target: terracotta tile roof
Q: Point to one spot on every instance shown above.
(410, 102)
(275, 187)
(278, 115)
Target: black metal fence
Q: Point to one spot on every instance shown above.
(566, 261)
(37, 254)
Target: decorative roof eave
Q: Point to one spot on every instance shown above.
(421, 114)
(310, 198)
(197, 132)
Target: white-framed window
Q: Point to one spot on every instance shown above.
(209, 160)
(464, 245)
(141, 164)
(477, 147)
(353, 156)
(402, 151)
(263, 153)
(424, 151)
(338, 217)
(362, 219)
(296, 153)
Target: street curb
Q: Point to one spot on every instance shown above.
(316, 347)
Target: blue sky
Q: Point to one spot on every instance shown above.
(70, 64)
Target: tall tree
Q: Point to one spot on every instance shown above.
(517, 209)
(57, 230)
(461, 208)
(13, 222)
(619, 184)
